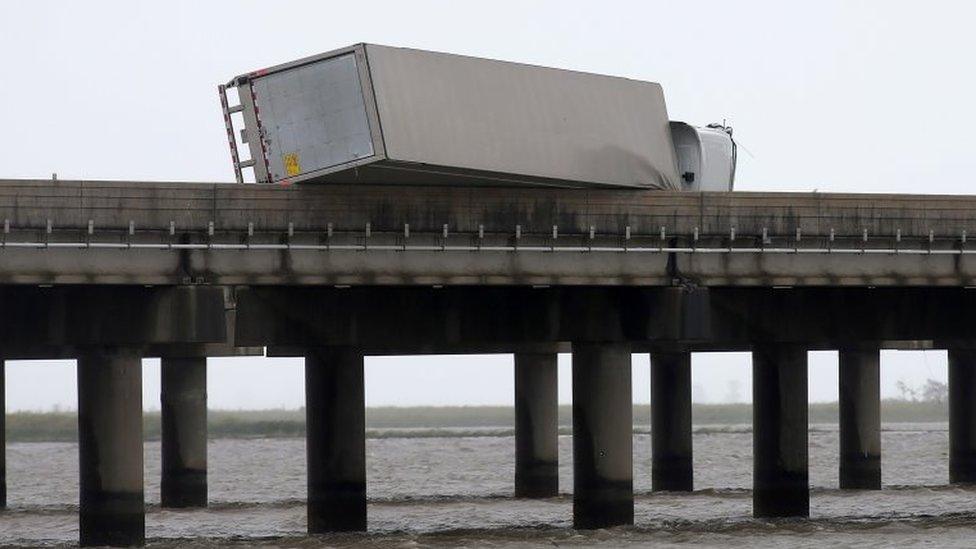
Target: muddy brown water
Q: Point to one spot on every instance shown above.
(455, 489)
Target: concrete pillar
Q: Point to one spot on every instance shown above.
(962, 416)
(3, 436)
(860, 419)
(112, 508)
(779, 418)
(671, 453)
(536, 426)
(183, 398)
(335, 408)
(603, 455)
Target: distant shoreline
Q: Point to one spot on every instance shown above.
(430, 421)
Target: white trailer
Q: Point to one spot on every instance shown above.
(371, 114)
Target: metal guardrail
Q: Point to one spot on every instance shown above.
(435, 248)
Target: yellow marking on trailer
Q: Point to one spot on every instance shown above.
(292, 167)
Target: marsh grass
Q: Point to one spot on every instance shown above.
(431, 421)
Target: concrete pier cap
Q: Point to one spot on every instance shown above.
(131, 316)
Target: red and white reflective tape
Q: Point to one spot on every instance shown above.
(260, 136)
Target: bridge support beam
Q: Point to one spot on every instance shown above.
(335, 409)
(112, 508)
(536, 426)
(779, 418)
(671, 452)
(183, 398)
(603, 472)
(962, 416)
(860, 419)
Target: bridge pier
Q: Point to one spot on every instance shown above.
(112, 508)
(779, 417)
(183, 398)
(860, 419)
(335, 408)
(536, 425)
(671, 451)
(603, 468)
(962, 416)
(3, 435)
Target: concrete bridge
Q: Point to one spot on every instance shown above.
(108, 272)
(192, 233)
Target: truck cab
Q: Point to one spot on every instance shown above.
(706, 156)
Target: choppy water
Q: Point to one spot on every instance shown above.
(456, 490)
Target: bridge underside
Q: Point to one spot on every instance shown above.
(465, 319)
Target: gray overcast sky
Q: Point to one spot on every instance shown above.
(828, 95)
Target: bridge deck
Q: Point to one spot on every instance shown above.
(61, 232)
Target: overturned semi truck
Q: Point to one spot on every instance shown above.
(369, 114)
